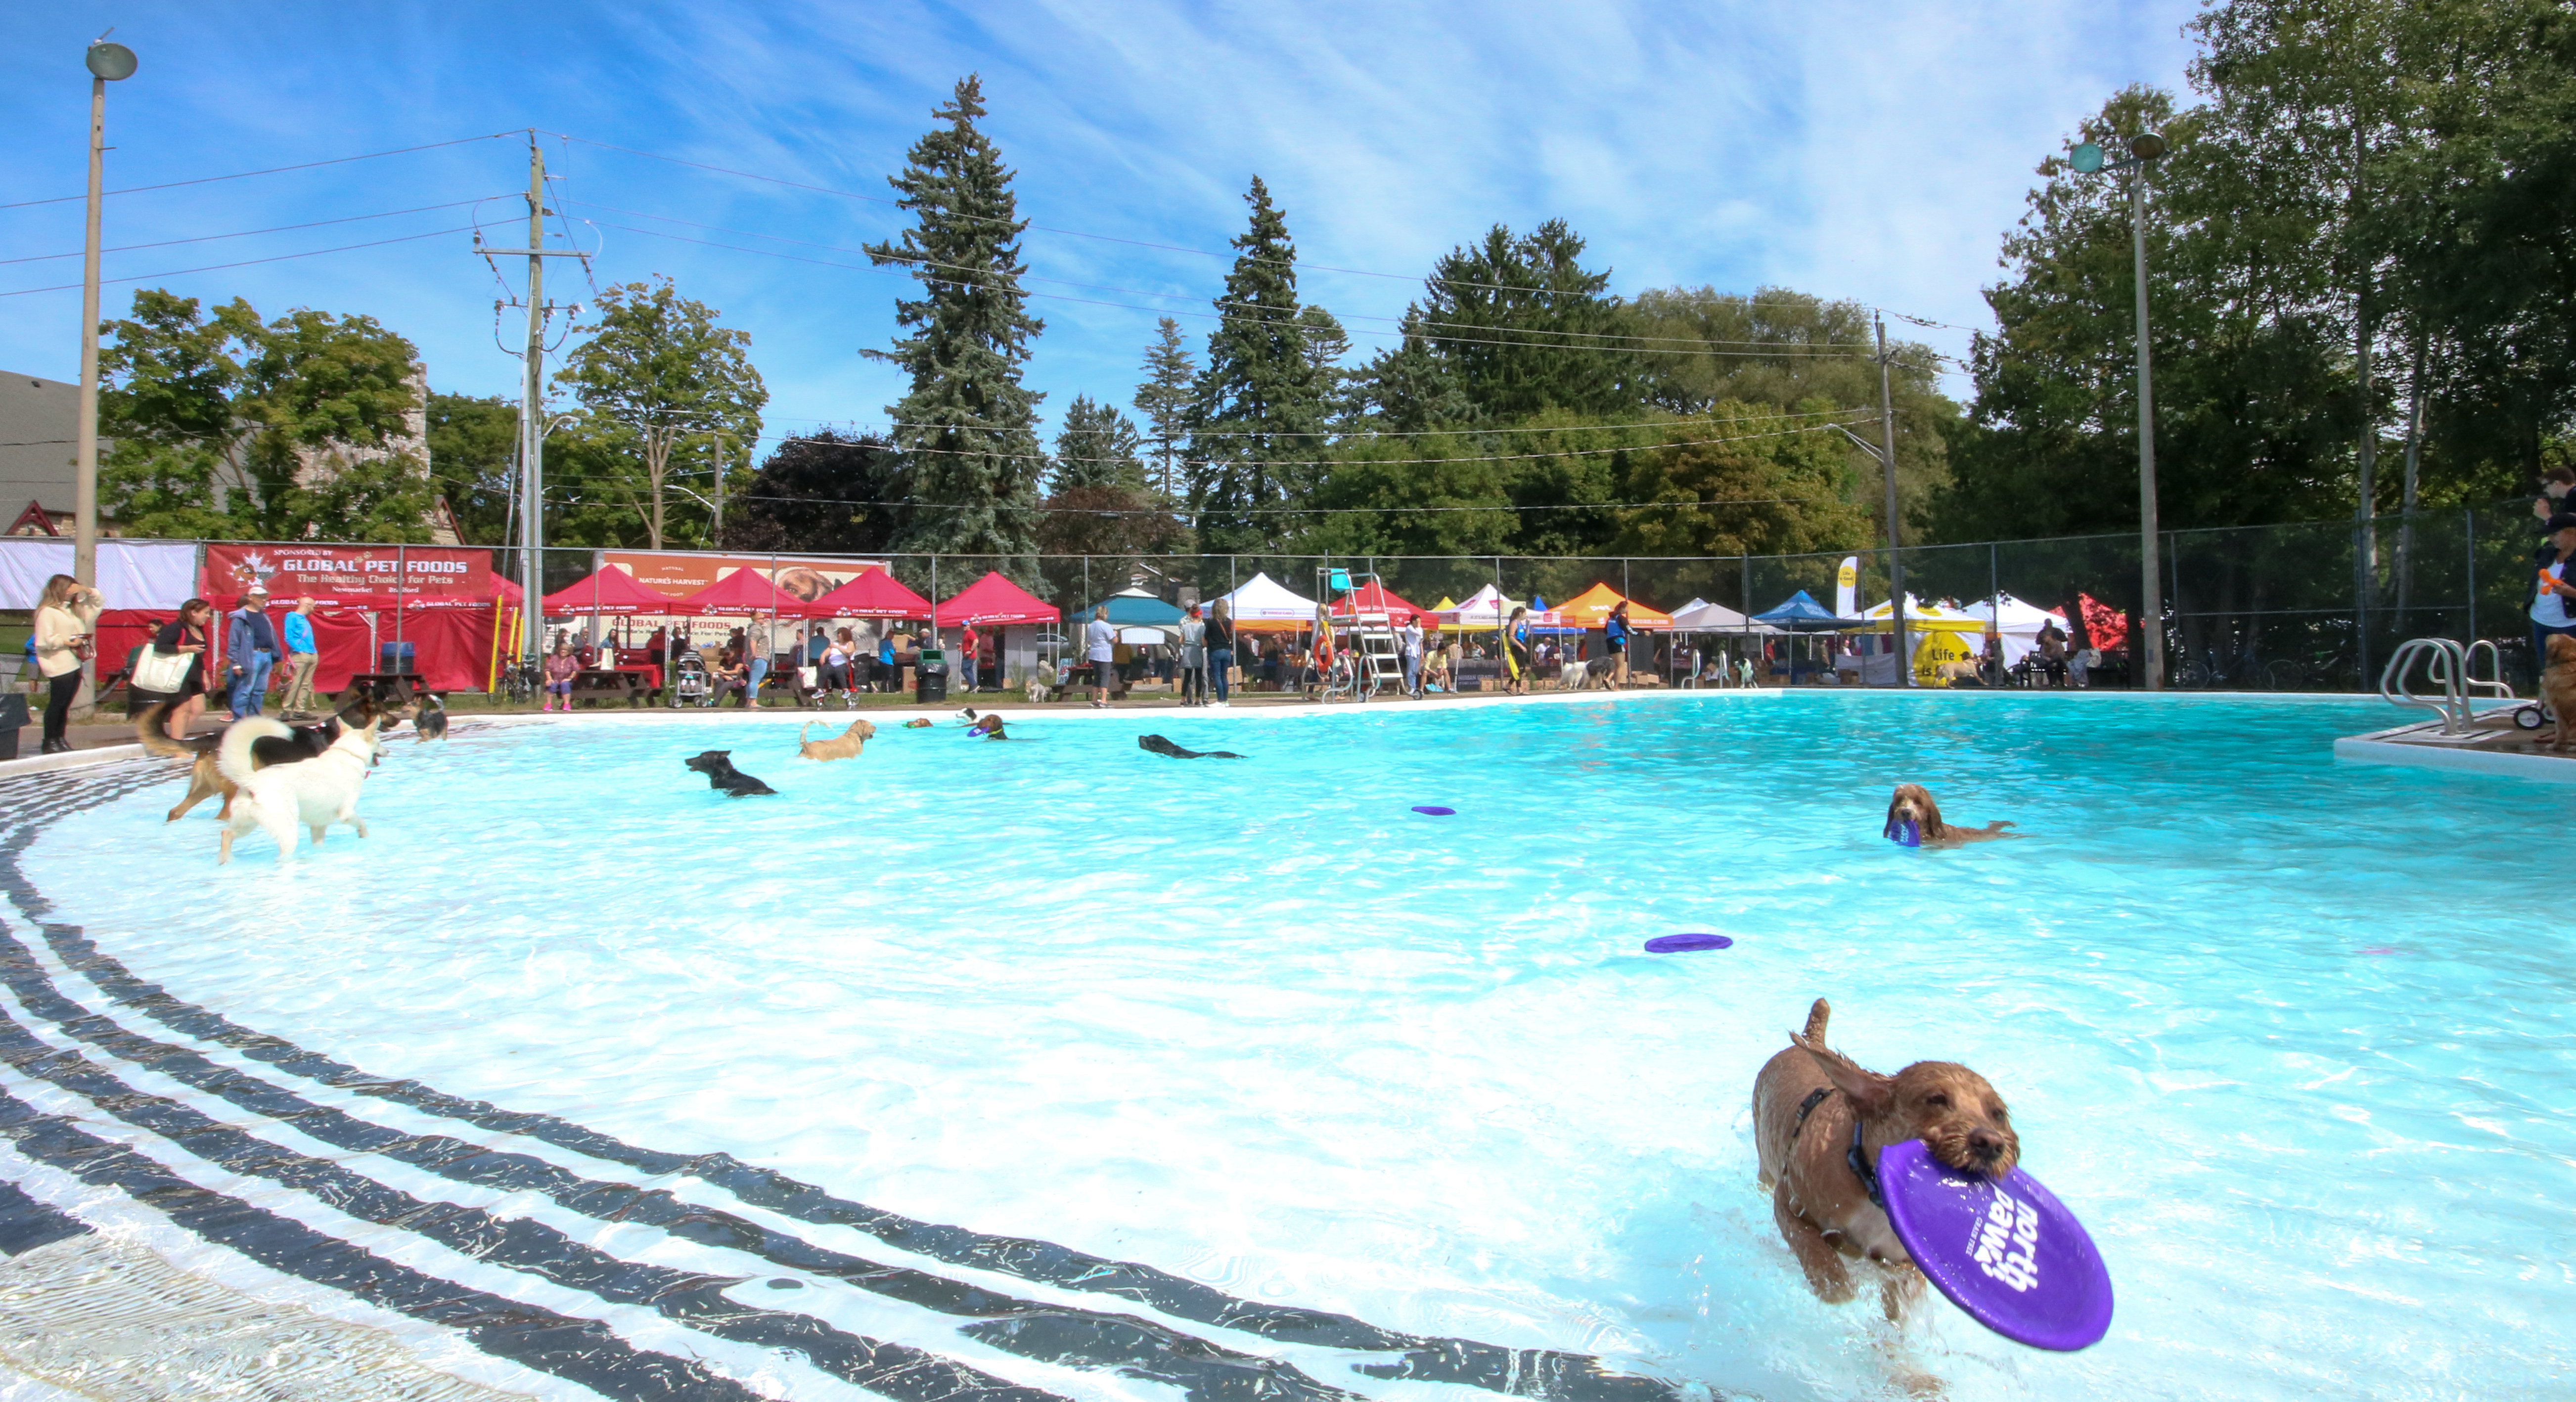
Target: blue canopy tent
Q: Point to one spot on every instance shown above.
(1136, 609)
(1800, 613)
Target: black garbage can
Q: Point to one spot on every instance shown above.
(930, 677)
(13, 714)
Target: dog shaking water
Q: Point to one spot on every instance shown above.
(1156, 744)
(717, 765)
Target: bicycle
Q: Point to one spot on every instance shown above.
(519, 681)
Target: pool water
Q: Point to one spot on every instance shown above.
(2292, 1037)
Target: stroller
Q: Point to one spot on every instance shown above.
(690, 681)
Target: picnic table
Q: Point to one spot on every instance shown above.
(633, 683)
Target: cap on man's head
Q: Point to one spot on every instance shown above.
(256, 591)
(2563, 521)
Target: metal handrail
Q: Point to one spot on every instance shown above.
(2493, 684)
(2446, 665)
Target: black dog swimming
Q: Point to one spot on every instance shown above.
(1156, 744)
(717, 765)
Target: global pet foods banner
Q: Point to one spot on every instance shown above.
(370, 574)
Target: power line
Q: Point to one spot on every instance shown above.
(272, 170)
(248, 262)
(247, 233)
(1463, 431)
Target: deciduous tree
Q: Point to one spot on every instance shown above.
(661, 375)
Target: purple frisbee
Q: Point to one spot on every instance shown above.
(2005, 1250)
(1433, 811)
(1680, 944)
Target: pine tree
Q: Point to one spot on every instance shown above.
(1097, 447)
(1164, 400)
(1326, 344)
(1257, 402)
(968, 429)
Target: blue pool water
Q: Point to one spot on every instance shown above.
(2291, 1036)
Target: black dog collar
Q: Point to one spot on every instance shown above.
(1863, 1169)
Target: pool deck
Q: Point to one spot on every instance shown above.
(2492, 744)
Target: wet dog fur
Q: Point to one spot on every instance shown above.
(845, 745)
(2558, 685)
(1915, 801)
(1156, 744)
(717, 765)
(1820, 1205)
(206, 780)
(313, 793)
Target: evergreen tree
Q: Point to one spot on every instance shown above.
(1098, 447)
(1256, 403)
(1516, 326)
(1326, 344)
(968, 429)
(1164, 400)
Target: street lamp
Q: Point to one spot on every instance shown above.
(2087, 159)
(108, 63)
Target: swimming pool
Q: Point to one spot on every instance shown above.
(2290, 1036)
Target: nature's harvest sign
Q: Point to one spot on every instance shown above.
(350, 573)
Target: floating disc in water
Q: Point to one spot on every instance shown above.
(1680, 944)
(1435, 811)
(2003, 1249)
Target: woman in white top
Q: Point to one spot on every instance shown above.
(65, 615)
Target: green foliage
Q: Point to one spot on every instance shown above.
(968, 428)
(1257, 405)
(1164, 399)
(225, 425)
(472, 443)
(1506, 328)
(825, 493)
(1098, 447)
(658, 380)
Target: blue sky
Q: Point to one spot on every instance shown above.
(1873, 151)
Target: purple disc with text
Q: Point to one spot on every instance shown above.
(1431, 811)
(2005, 1250)
(1680, 944)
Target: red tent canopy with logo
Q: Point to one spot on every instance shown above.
(608, 590)
(748, 591)
(995, 602)
(1374, 597)
(873, 594)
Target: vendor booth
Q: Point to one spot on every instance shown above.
(995, 602)
(1264, 605)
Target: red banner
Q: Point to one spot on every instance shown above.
(378, 575)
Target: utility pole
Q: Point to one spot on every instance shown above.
(106, 62)
(724, 456)
(532, 414)
(1887, 462)
(2151, 611)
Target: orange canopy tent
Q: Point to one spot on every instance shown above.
(1591, 609)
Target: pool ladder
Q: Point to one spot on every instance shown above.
(2445, 664)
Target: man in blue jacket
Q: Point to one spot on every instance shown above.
(250, 650)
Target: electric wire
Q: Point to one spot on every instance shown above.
(272, 170)
(246, 262)
(248, 233)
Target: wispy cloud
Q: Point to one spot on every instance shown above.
(1874, 151)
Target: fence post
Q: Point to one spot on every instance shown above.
(2469, 528)
(2364, 542)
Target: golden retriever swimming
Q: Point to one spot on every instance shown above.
(845, 745)
(1913, 804)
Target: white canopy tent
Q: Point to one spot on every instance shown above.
(1264, 602)
(2019, 622)
(1488, 608)
(1700, 616)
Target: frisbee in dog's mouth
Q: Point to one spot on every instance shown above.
(2003, 1249)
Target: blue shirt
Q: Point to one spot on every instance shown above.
(885, 649)
(299, 633)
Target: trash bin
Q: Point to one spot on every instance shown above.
(13, 714)
(930, 677)
(396, 659)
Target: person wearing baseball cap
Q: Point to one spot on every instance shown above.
(250, 650)
(2553, 592)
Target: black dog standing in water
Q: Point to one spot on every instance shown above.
(1156, 744)
(717, 765)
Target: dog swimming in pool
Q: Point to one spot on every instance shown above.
(717, 765)
(1912, 811)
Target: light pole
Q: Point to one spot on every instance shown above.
(107, 63)
(2087, 159)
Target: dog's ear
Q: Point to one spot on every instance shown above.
(1869, 1092)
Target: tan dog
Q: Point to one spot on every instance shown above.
(845, 745)
(1914, 802)
(2558, 684)
(1815, 1115)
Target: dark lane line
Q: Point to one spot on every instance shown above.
(1548, 1374)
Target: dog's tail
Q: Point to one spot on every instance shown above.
(1816, 1021)
(232, 758)
(156, 741)
(800, 732)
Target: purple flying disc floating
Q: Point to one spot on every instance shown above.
(1680, 944)
(2005, 1250)
(1435, 811)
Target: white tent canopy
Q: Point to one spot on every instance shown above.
(1921, 617)
(1262, 599)
(1699, 616)
(1489, 607)
(2019, 623)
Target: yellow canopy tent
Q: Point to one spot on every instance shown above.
(1591, 609)
(1944, 639)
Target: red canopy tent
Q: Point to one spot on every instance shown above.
(874, 594)
(1374, 597)
(994, 602)
(609, 590)
(748, 591)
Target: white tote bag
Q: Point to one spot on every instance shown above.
(162, 673)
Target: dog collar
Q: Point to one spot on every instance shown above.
(1863, 1170)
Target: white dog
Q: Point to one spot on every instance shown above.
(317, 793)
(1573, 677)
(1037, 689)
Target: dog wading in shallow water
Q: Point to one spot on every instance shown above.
(1819, 1122)
(285, 745)
(845, 745)
(314, 793)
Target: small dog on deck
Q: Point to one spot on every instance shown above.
(2558, 685)
(1913, 804)
(284, 745)
(1819, 1122)
(313, 793)
(845, 745)
(1038, 691)
(717, 765)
